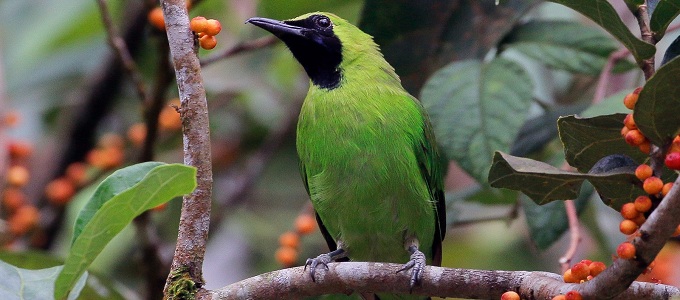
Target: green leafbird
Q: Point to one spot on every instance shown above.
(368, 154)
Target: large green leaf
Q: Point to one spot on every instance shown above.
(477, 108)
(419, 37)
(565, 45)
(548, 222)
(665, 12)
(657, 113)
(587, 140)
(544, 183)
(602, 13)
(20, 284)
(97, 286)
(118, 200)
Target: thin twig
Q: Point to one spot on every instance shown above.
(646, 34)
(240, 48)
(186, 274)
(368, 277)
(605, 75)
(574, 235)
(120, 48)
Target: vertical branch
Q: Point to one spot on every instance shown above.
(186, 274)
(646, 34)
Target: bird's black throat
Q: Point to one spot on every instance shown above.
(313, 43)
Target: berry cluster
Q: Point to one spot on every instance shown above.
(289, 242)
(206, 29)
(21, 215)
(583, 271)
(570, 295)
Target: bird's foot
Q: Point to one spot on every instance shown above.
(416, 265)
(313, 263)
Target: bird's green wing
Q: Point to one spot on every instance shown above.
(431, 169)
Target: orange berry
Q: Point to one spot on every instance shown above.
(643, 204)
(630, 100)
(19, 149)
(60, 191)
(639, 220)
(23, 220)
(586, 261)
(13, 198)
(637, 90)
(160, 207)
(675, 147)
(137, 134)
(305, 224)
(569, 277)
(18, 175)
(629, 212)
(207, 42)
(156, 19)
(11, 118)
(624, 131)
(169, 119)
(289, 239)
(672, 160)
(643, 171)
(573, 295)
(77, 173)
(198, 24)
(510, 295)
(666, 188)
(625, 250)
(629, 122)
(286, 256)
(645, 147)
(580, 271)
(634, 137)
(213, 27)
(628, 227)
(652, 185)
(559, 297)
(596, 268)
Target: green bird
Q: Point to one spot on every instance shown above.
(368, 154)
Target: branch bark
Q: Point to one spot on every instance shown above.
(367, 277)
(186, 268)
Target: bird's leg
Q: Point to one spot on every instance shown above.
(324, 259)
(417, 262)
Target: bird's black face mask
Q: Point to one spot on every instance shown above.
(313, 43)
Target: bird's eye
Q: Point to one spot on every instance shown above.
(323, 22)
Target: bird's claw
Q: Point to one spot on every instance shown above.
(313, 263)
(416, 265)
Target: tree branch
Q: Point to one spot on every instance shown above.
(653, 236)
(186, 268)
(646, 34)
(367, 277)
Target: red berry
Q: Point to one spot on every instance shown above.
(569, 277)
(207, 42)
(580, 271)
(629, 122)
(635, 138)
(666, 188)
(573, 295)
(673, 160)
(596, 268)
(630, 100)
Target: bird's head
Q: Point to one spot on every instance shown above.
(323, 43)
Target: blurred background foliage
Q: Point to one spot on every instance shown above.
(54, 56)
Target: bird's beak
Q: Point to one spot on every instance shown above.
(278, 28)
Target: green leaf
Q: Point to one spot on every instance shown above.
(587, 140)
(18, 283)
(610, 105)
(428, 33)
(97, 286)
(477, 108)
(118, 200)
(544, 183)
(548, 222)
(565, 45)
(657, 113)
(602, 13)
(665, 12)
